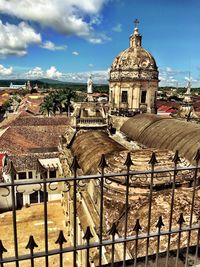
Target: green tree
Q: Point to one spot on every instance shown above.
(47, 105)
(58, 101)
(6, 105)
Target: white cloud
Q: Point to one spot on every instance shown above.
(5, 71)
(91, 65)
(69, 17)
(96, 20)
(51, 46)
(15, 39)
(38, 72)
(100, 39)
(169, 76)
(168, 69)
(75, 53)
(52, 73)
(191, 79)
(98, 76)
(117, 28)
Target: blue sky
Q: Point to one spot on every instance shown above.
(70, 39)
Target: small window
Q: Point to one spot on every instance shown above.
(22, 175)
(52, 174)
(143, 97)
(124, 97)
(30, 175)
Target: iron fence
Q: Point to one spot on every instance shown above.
(118, 236)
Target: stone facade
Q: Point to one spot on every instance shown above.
(133, 79)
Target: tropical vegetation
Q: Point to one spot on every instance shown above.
(58, 102)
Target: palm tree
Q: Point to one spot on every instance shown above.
(57, 101)
(47, 105)
(66, 96)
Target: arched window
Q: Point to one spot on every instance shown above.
(143, 97)
(124, 98)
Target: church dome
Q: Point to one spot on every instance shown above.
(134, 62)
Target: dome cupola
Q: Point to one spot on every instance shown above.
(134, 62)
(133, 80)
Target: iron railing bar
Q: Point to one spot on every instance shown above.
(86, 177)
(126, 214)
(191, 211)
(61, 258)
(158, 248)
(101, 215)
(1, 259)
(96, 244)
(88, 254)
(14, 217)
(32, 259)
(45, 221)
(149, 213)
(136, 250)
(197, 247)
(113, 251)
(171, 212)
(74, 215)
(178, 248)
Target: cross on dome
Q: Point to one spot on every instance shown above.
(136, 22)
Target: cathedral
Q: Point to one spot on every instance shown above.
(133, 80)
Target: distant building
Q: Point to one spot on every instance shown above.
(30, 142)
(17, 86)
(133, 79)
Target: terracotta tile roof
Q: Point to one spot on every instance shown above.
(1, 158)
(173, 105)
(32, 134)
(30, 161)
(166, 109)
(40, 121)
(4, 98)
(22, 139)
(31, 103)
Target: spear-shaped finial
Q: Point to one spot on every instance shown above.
(181, 220)
(176, 159)
(2, 248)
(160, 223)
(88, 235)
(128, 161)
(75, 164)
(153, 159)
(61, 239)
(31, 243)
(197, 156)
(137, 226)
(113, 230)
(103, 164)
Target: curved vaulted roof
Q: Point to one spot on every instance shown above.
(89, 147)
(161, 133)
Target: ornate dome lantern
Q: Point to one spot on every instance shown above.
(134, 78)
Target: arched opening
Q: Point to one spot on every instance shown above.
(19, 198)
(38, 197)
